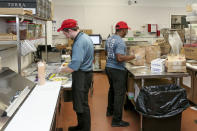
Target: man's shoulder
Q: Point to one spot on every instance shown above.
(115, 38)
(84, 38)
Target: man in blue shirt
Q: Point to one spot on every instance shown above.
(117, 75)
(81, 69)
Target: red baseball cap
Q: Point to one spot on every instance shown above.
(122, 25)
(69, 23)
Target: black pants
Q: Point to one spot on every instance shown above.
(81, 82)
(117, 80)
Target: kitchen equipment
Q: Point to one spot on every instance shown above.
(14, 89)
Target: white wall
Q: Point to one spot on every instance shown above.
(102, 15)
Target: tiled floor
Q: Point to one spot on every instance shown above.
(98, 104)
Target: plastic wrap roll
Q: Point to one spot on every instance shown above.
(0, 64)
(41, 73)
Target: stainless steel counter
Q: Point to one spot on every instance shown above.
(192, 64)
(142, 72)
(31, 72)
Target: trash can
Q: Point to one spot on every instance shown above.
(161, 107)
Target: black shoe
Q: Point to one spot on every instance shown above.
(120, 124)
(109, 113)
(74, 128)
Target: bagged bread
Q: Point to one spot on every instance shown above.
(152, 52)
(140, 50)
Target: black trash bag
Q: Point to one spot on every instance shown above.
(161, 101)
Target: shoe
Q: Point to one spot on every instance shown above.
(74, 128)
(109, 113)
(120, 124)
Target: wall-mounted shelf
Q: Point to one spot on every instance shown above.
(18, 41)
(7, 46)
(8, 42)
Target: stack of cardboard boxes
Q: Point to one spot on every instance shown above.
(176, 63)
(87, 31)
(102, 60)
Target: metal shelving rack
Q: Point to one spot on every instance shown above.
(18, 41)
(98, 51)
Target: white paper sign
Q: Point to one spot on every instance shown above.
(187, 81)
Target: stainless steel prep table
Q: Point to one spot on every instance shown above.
(144, 72)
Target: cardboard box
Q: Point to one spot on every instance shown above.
(190, 52)
(60, 47)
(15, 11)
(102, 55)
(87, 31)
(158, 65)
(70, 42)
(177, 70)
(176, 63)
(7, 37)
(130, 85)
(103, 64)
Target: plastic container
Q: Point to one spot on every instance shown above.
(38, 30)
(31, 31)
(23, 28)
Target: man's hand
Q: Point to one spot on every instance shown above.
(58, 70)
(65, 69)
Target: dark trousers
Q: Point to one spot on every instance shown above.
(81, 82)
(117, 80)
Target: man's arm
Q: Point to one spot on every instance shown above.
(67, 69)
(123, 58)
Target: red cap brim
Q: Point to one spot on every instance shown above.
(60, 29)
